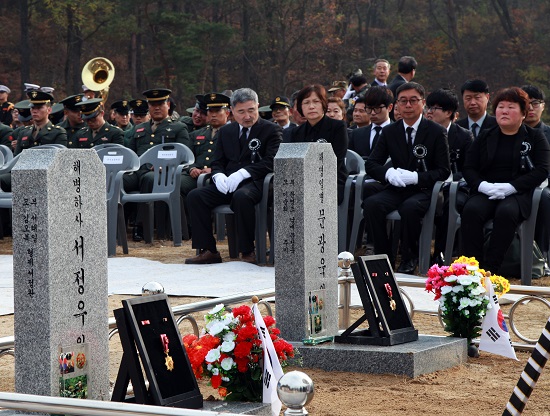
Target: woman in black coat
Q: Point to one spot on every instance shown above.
(312, 104)
(503, 167)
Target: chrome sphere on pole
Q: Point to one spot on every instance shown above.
(295, 390)
(345, 259)
(152, 288)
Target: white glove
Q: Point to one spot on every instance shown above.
(486, 188)
(220, 180)
(504, 189)
(235, 179)
(408, 177)
(394, 178)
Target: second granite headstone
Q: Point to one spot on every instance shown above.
(306, 240)
(60, 274)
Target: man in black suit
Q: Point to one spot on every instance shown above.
(475, 97)
(406, 70)
(243, 157)
(534, 120)
(410, 181)
(442, 105)
(381, 70)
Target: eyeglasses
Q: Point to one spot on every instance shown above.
(412, 101)
(375, 110)
(433, 108)
(536, 103)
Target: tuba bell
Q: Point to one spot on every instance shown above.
(97, 75)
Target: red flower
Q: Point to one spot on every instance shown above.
(243, 310)
(269, 320)
(216, 381)
(222, 391)
(242, 364)
(247, 332)
(242, 349)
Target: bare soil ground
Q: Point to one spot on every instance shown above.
(480, 386)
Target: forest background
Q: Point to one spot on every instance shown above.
(272, 46)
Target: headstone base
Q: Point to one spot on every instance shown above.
(412, 359)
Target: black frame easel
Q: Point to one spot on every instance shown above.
(141, 322)
(386, 326)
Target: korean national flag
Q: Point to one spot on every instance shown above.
(272, 367)
(494, 336)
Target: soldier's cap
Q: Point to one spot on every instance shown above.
(90, 108)
(71, 101)
(281, 101)
(157, 94)
(57, 108)
(215, 100)
(265, 112)
(139, 107)
(200, 104)
(39, 98)
(30, 87)
(24, 109)
(49, 90)
(121, 107)
(3, 88)
(338, 85)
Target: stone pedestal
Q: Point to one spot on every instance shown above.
(306, 235)
(60, 270)
(412, 359)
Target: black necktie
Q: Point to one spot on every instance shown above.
(242, 137)
(410, 139)
(376, 136)
(474, 129)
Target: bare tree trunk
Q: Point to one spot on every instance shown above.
(454, 39)
(24, 44)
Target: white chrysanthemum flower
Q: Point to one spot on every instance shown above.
(227, 346)
(217, 327)
(446, 289)
(466, 312)
(209, 367)
(471, 268)
(216, 308)
(213, 355)
(227, 363)
(229, 336)
(466, 280)
(225, 378)
(215, 371)
(476, 291)
(458, 288)
(464, 303)
(451, 278)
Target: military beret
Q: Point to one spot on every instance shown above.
(139, 107)
(38, 97)
(90, 108)
(282, 101)
(121, 107)
(71, 102)
(24, 110)
(338, 85)
(215, 100)
(157, 94)
(3, 88)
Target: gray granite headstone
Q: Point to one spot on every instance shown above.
(306, 235)
(60, 270)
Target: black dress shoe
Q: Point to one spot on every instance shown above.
(249, 257)
(205, 257)
(137, 233)
(408, 266)
(438, 259)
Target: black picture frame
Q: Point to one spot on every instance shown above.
(141, 322)
(386, 326)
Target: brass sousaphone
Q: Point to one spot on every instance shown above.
(97, 75)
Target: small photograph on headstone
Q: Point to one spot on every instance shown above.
(73, 369)
(317, 318)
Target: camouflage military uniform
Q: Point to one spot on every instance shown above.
(106, 134)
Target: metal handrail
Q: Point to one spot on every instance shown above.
(68, 406)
